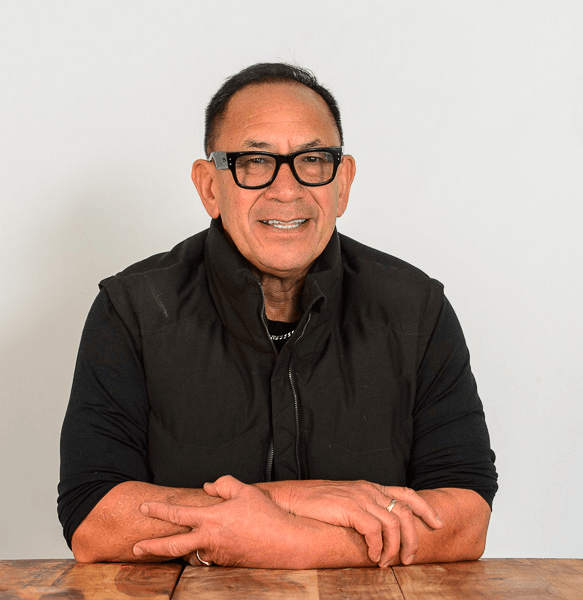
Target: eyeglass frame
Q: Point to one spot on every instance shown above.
(227, 160)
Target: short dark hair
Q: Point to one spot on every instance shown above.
(256, 75)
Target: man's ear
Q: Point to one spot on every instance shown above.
(203, 177)
(346, 173)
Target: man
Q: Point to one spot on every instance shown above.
(260, 395)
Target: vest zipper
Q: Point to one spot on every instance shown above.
(296, 402)
(270, 453)
(269, 467)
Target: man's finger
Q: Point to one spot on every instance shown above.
(391, 539)
(397, 528)
(171, 546)
(372, 531)
(409, 538)
(225, 487)
(173, 513)
(416, 503)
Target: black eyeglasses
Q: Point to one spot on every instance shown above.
(255, 170)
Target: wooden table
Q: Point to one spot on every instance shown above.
(488, 578)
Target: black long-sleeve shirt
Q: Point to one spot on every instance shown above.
(106, 433)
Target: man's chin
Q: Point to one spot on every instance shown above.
(282, 268)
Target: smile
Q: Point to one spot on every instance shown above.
(285, 224)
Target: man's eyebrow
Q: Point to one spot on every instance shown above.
(317, 143)
(257, 145)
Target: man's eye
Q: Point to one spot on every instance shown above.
(252, 162)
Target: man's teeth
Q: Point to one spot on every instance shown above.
(285, 224)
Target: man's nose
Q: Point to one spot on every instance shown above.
(285, 186)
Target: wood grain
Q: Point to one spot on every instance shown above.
(372, 584)
(18, 573)
(520, 579)
(90, 582)
(222, 583)
(565, 576)
(123, 580)
(502, 579)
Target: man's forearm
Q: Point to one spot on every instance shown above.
(115, 524)
(465, 515)
(252, 530)
(310, 544)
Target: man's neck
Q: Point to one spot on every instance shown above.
(282, 297)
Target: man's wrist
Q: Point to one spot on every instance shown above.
(278, 491)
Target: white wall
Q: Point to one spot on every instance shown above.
(466, 121)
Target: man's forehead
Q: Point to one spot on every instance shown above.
(256, 112)
(271, 90)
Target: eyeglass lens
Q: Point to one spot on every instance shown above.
(311, 167)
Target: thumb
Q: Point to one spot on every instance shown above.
(225, 487)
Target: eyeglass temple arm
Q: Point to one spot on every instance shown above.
(220, 160)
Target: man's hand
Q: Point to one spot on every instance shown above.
(249, 529)
(236, 530)
(271, 535)
(362, 506)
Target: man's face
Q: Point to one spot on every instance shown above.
(280, 229)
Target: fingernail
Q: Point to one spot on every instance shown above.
(409, 559)
(378, 558)
(384, 565)
(439, 519)
(138, 551)
(145, 509)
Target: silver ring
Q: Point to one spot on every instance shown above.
(390, 507)
(204, 562)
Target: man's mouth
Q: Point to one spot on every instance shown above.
(285, 224)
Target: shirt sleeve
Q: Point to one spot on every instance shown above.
(451, 445)
(105, 431)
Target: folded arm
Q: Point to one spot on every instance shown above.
(465, 515)
(440, 525)
(268, 527)
(250, 530)
(115, 524)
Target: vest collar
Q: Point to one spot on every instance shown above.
(238, 296)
